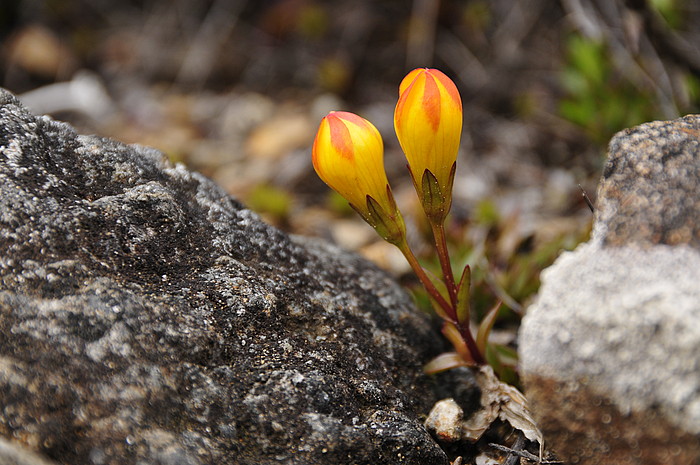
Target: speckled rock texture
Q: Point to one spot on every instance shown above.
(650, 190)
(148, 318)
(610, 351)
(14, 454)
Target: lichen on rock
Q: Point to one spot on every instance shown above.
(148, 317)
(610, 350)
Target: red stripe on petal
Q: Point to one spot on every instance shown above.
(340, 135)
(431, 101)
(449, 87)
(408, 80)
(351, 117)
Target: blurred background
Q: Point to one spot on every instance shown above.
(236, 88)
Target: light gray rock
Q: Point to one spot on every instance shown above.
(610, 350)
(12, 454)
(650, 189)
(148, 318)
(611, 353)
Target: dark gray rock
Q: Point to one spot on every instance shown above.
(147, 317)
(610, 350)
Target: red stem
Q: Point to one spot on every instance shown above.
(427, 283)
(444, 258)
(449, 310)
(471, 344)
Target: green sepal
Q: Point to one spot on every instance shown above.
(482, 335)
(448, 188)
(463, 296)
(389, 226)
(436, 199)
(432, 198)
(392, 201)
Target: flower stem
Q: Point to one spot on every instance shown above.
(450, 311)
(425, 280)
(471, 343)
(443, 256)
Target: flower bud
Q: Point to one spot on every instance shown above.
(428, 123)
(348, 155)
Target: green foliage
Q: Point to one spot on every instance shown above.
(503, 360)
(477, 15)
(669, 10)
(500, 272)
(271, 201)
(692, 87)
(337, 204)
(599, 98)
(486, 213)
(313, 21)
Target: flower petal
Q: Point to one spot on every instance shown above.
(348, 155)
(428, 123)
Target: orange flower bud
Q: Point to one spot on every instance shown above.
(348, 155)
(428, 123)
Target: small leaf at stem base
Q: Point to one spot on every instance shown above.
(482, 335)
(444, 362)
(463, 294)
(453, 335)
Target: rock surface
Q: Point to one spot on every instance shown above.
(610, 351)
(650, 189)
(14, 454)
(147, 317)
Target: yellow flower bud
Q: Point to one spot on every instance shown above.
(428, 123)
(348, 155)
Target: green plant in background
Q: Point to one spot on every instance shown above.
(270, 201)
(506, 264)
(598, 99)
(669, 10)
(348, 156)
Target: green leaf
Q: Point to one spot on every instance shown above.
(500, 358)
(482, 335)
(507, 355)
(463, 295)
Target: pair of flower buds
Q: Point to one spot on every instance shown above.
(348, 152)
